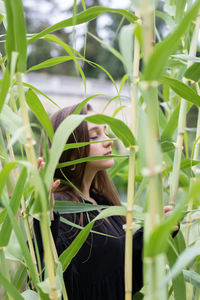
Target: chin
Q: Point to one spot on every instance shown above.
(109, 163)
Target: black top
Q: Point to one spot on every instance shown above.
(97, 271)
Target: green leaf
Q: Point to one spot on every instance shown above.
(181, 89)
(13, 124)
(109, 48)
(171, 126)
(185, 57)
(178, 282)
(185, 258)
(10, 288)
(50, 63)
(119, 128)
(192, 277)
(16, 33)
(85, 159)
(69, 207)
(159, 236)
(71, 51)
(40, 92)
(84, 102)
(20, 275)
(4, 174)
(119, 167)
(6, 228)
(193, 72)
(59, 140)
(180, 7)
(37, 108)
(159, 57)
(4, 87)
(67, 255)
(68, 49)
(165, 17)
(85, 16)
(2, 215)
(67, 127)
(23, 245)
(78, 145)
(30, 295)
(167, 146)
(126, 44)
(185, 163)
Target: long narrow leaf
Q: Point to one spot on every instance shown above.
(182, 89)
(159, 57)
(66, 257)
(171, 126)
(10, 288)
(85, 159)
(14, 204)
(193, 72)
(50, 63)
(37, 108)
(86, 16)
(16, 33)
(4, 88)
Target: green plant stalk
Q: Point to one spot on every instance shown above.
(154, 267)
(44, 219)
(55, 254)
(29, 145)
(48, 254)
(26, 223)
(131, 177)
(181, 124)
(14, 176)
(192, 180)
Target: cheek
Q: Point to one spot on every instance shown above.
(93, 151)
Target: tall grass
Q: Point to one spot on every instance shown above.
(161, 169)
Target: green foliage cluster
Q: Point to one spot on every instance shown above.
(159, 162)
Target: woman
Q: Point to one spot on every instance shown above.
(97, 271)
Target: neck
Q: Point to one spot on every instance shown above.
(86, 184)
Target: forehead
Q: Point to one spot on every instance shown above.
(93, 127)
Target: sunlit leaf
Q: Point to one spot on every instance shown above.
(85, 16)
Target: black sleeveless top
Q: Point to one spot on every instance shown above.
(97, 271)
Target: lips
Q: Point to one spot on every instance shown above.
(108, 153)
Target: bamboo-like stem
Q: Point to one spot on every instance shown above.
(55, 254)
(194, 168)
(181, 123)
(131, 178)
(15, 175)
(154, 267)
(29, 144)
(46, 237)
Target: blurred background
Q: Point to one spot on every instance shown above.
(62, 83)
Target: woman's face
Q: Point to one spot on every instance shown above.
(99, 133)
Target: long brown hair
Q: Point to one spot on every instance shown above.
(101, 183)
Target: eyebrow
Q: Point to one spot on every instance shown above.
(97, 128)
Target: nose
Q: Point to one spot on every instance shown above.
(107, 143)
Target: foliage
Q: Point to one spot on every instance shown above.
(159, 162)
